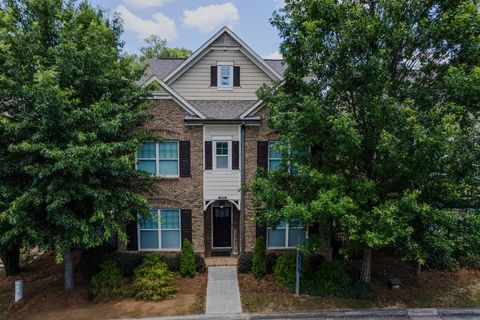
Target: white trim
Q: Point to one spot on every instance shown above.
(177, 98)
(229, 155)
(219, 75)
(159, 230)
(231, 227)
(287, 230)
(253, 109)
(157, 159)
(254, 57)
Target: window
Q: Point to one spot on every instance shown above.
(286, 235)
(159, 159)
(161, 230)
(274, 156)
(222, 155)
(225, 76)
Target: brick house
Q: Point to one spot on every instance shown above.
(215, 138)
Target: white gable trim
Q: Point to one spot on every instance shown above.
(252, 55)
(253, 109)
(176, 97)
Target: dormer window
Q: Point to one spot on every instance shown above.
(225, 76)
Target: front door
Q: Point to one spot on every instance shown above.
(222, 227)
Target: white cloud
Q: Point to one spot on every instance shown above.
(209, 18)
(159, 24)
(274, 55)
(279, 3)
(146, 3)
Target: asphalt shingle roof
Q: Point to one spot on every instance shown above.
(222, 109)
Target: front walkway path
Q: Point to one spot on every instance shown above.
(223, 293)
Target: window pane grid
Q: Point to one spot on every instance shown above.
(161, 230)
(286, 236)
(160, 159)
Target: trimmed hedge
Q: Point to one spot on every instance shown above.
(245, 261)
(109, 284)
(259, 262)
(284, 270)
(188, 267)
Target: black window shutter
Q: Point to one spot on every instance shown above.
(184, 158)
(208, 155)
(236, 76)
(262, 154)
(261, 231)
(132, 235)
(186, 216)
(235, 155)
(213, 76)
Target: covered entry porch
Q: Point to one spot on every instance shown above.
(222, 228)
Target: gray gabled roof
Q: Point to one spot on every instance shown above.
(222, 109)
(164, 66)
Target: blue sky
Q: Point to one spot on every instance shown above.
(189, 23)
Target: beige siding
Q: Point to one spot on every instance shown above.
(221, 183)
(194, 84)
(225, 41)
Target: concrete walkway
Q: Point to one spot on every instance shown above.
(223, 293)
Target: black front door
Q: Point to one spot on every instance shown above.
(222, 227)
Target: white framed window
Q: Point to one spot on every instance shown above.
(222, 155)
(225, 75)
(274, 156)
(160, 159)
(160, 230)
(286, 235)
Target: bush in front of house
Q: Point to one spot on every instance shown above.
(271, 261)
(200, 262)
(109, 284)
(127, 261)
(330, 278)
(245, 261)
(92, 259)
(153, 281)
(188, 267)
(284, 270)
(259, 261)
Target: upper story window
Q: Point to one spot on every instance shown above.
(160, 159)
(225, 76)
(160, 230)
(286, 235)
(222, 155)
(274, 156)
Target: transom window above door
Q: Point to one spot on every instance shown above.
(222, 155)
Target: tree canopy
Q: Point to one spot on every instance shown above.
(157, 48)
(386, 94)
(70, 112)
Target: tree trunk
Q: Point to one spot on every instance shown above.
(11, 259)
(67, 258)
(365, 274)
(419, 269)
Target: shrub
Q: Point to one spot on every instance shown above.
(188, 267)
(108, 284)
(200, 262)
(330, 278)
(153, 281)
(91, 260)
(271, 261)
(245, 262)
(172, 261)
(127, 261)
(259, 261)
(284, 270)
(359, 290)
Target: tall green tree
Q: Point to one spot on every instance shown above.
(157, 48)
(72, 109)
(386, 94)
